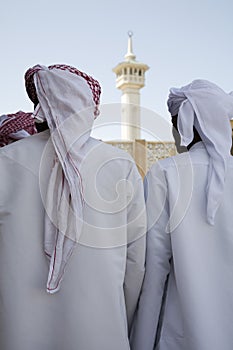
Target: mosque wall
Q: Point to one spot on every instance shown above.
(146, 153)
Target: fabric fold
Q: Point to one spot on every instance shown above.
(68, 100)
(208, 108)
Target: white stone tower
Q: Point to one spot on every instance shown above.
(130, 78)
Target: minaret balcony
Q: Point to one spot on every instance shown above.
(134, 81)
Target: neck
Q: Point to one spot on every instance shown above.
(41, 126)
(192, 144)
(196, 138)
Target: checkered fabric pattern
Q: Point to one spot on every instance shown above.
(93, 84)
(29, 83)
(14, 123)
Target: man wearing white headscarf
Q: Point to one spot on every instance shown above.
(72, 213)
(187, 295)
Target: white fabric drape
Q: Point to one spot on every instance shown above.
(66, 103)
(208, 108)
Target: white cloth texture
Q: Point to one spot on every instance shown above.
(205, 106)
(66, 103)
(95, 306)
(186, 301)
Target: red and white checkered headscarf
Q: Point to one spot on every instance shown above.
(93, 84)
(16, 126)
(68, 100)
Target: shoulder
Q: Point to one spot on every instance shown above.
(111, 150)
(160, 170)
(26, 144)
(25, 152)
(164, 164)
(111, 159)
(110, 153)
(181, 160)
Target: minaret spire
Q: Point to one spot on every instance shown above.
(130, 55)
(130, 78)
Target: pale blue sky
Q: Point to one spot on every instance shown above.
(180, 40)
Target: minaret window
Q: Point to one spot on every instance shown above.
(140, 72)
(135, 71)
(125, 71)
(131, 71)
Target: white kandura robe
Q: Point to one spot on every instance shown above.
(99, 285)
(194, 261)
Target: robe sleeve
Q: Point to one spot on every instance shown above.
(136, 243)
(158, 257)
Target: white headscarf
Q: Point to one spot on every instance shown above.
(68, 101)
(208, 108)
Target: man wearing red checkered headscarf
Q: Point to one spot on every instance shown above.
(73, 215)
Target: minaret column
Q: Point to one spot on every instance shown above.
(130, 114)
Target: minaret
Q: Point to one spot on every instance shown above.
(130, 78)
